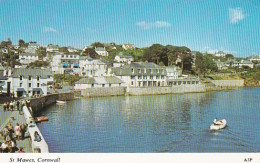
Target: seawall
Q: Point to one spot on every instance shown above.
(38, 104)
(228, 83)
(119, 91)
(41, 146)
(107, 91)
(167, 90)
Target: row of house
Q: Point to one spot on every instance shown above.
(234, 63)
(26, 82)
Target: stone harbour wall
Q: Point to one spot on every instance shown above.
(106, 91)
(228, 83)
(167, 90)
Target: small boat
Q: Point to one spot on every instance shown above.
(39, 119)
(61, 102)
(219, 125)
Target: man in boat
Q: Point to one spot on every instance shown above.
(215, 122)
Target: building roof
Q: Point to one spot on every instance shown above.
(97, 61)
(28, 54)
(246, 62)
(51, 46)
(31, 72)
(100, 80)
(85, 58)
(139, 68)
(100, 49)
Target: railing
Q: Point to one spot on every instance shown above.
(37, 147)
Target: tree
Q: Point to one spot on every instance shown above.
(97, 44)
(229, 56)
(199, 64)
(91, 53)
(63, 49)
(156, 53)
(204, 64)
(41, 51)
(21, 43)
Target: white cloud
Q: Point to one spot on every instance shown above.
(156, 24)
(236, 15)
(49, 29)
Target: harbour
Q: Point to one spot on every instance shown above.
(155, 123)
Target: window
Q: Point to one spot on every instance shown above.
(139, 71)
(109, 85)
(151, 77)
(70, 56)
(158, 71)
(30, 84)
(144, 77)
(62, 56)
(139, 77)
(162, 77)
(132, 77)
(29, 92)
(119, 84)
(21, 84)
(74, 56)
(30, 77)
(103, 85)
(38, 78)
(157, 77)
(132, 70)
(132, 83)
(38, 84)
(21, 77)
(92, 85)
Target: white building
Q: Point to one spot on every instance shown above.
(141, 74)
(52, 48)
(65, 63)
(72, 49)
(220, 54)
(128, 46)
(93, 67)
(172, 72)
(254, 58)
(27, 58)
(101, 51)
(246, 63)
(27, 82)
(98, 82)
(124, 59)
(32, 47)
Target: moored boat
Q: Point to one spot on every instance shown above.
(61, 102)
(219, 125)
(39, 119)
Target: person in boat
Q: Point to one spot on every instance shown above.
(216, 122)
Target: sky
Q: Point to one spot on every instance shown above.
(232, 26)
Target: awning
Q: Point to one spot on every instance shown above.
(20, 90)
(37, 89)
(65, 64)
(2, 84)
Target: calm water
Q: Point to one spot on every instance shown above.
(158, 123)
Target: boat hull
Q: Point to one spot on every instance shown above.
(61, 102)
(221, 124)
